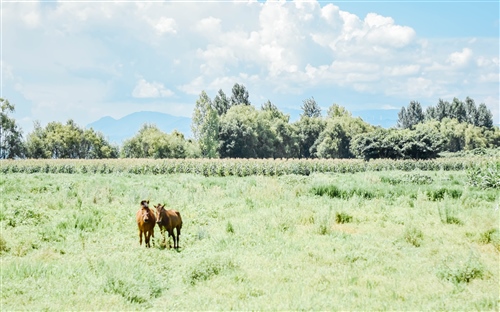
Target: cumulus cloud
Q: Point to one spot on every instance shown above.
(145, 89)
(165, 25)
(273, 47)
(459, 59)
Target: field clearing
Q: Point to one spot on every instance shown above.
(373, 240)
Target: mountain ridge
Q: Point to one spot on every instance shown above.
(119, 130)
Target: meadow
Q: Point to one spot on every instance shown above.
(406, 238)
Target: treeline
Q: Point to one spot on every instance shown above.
(231, 127)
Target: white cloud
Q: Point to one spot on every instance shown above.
(209, 25)
(165, 25)
(274, 48)
(404, 70)
(459, 59)
(145, 89)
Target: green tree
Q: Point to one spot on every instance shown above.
(470, 111)
(338, 111)
(205, 126)
(282, 135)
(308, 131)
(36, 143)
(310, 108)
(430, 113)
(221, 103)
(334, 141)
(484, 116)
(239, 95)
(442, 109)
(238, 137)
(425, 142)
(11, 144)
(409, 117)
(457, 110)
(68, 140)
(151, 142)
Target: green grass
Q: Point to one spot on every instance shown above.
(389, 240)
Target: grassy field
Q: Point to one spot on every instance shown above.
(380, 240)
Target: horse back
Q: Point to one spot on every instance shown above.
(175, 217)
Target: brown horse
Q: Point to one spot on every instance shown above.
(169, 220)
(146, 221)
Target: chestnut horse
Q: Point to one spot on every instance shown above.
(169, 220)
(146, 222)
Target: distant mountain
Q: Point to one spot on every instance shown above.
(385, 118)
(118, 130)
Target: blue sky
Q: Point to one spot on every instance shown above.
(85, 60)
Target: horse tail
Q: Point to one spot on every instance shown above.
(180, 218)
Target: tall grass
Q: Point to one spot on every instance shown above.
(70, 242)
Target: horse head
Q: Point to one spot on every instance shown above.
(159, 214)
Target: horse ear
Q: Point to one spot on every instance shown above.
(147, 201)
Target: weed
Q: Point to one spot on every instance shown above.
(3, 245)
(229, 227)
(440, 193)
(491, 236)
(334, 192)
(448, 216)
(413, 236)
(463, 272)
(342, 217)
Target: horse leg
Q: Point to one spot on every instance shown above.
(140, 238)
(171, 233)
(162, 231)
(178, 234)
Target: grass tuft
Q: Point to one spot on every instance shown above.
(413, 235)
(463, 271)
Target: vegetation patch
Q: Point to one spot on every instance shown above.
(440, 193)
(485, 176)
(342, 217)
(491, 236)
(3, 245)
(208, 268)
(414, 178)
(413, 236)
(463, 271)
(334, 192)
(448, 216)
